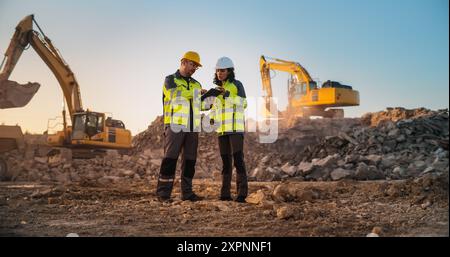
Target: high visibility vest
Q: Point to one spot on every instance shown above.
(228, 111)
(178, 99)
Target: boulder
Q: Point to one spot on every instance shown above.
(340, 173)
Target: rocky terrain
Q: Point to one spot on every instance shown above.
(386, 173)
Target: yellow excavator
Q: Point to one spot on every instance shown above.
(88, 130)
(305, 98)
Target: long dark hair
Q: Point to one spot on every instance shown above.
(230, 77)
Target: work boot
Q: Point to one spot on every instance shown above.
(193, 198)
(225, 198)
(240, 199)
(164, 199)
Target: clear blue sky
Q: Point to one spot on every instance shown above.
(396, 53)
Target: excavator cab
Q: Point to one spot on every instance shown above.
(87, 125)
(297, 89)
(92, 129)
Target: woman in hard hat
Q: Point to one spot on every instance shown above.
(228, 115)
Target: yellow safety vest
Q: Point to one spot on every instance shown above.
(229, 110)
(178, 99)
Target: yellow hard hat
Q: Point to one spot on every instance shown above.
(192, 56)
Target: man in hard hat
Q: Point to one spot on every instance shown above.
(181, 123)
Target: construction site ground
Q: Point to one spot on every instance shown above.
(342, 208)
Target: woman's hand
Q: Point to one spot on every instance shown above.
(221, 89)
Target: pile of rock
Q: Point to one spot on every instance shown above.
(110, 168)
(397, 149)
(394, 114)
(392, 144)
(274, 161)
(151, 138)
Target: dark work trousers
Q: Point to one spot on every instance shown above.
(232, 149)
(174, 143)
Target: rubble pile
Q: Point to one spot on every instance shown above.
(291, 142)
(110, 168)
(393, 144)
(393, 149)
(394, 114)
(151, 138)
(34, 164)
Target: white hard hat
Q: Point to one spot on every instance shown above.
(224, 63)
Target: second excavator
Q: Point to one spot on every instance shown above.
(305, 98)
(88, 129)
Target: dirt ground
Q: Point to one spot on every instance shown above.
(345, 208)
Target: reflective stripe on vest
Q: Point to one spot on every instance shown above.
(177, 103)
(229, 112)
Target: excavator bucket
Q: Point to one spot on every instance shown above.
(13, 94)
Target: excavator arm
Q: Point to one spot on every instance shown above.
(22, 38)
(293, 68)
(297, 71)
